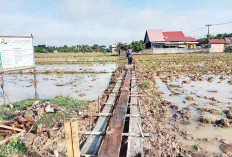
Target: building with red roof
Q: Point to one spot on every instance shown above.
(216, 45)
(155, 38)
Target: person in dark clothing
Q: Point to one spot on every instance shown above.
(129, 55)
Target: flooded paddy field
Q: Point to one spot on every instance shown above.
(201, 107)
(194, 92)
(80, 81)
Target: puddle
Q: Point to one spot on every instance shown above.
(215, 95)
(80, 86)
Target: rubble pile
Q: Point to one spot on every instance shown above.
(25, 119)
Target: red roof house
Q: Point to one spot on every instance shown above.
(155, 38)
(216, 45)
(217, 41)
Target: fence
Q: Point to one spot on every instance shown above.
(174, 50)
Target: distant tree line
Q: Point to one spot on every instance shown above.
(65, 48)
(217, 36)
(136, 46)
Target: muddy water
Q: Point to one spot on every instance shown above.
(213, 95)
(81, 86)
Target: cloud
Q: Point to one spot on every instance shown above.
(74, 22)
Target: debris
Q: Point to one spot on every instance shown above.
(49, 109)
(11, 106)
(205, 120)
(189, 98)
(222, 123)
(11, 128)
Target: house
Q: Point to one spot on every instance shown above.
(216, 45)
(155, 38)
(113, 48)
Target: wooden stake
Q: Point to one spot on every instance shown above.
(98, 104)
(35, 83)
(2, 86)
(75, 139)
(72, 139)
(68, 135)
(90, 118)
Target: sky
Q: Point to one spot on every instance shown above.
(73, 22)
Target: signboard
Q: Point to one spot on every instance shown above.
(16, 53)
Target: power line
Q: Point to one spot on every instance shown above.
(221, 23)
(196, 30)
(209, 25)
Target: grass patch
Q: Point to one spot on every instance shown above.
(71, 106)
(174, 86)
(22, 105)
(11, 148)
(144, 83)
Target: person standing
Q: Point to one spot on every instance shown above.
(129, 55)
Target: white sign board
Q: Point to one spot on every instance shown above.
(16, 53)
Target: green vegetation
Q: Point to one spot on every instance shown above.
(144, 83)
(218, 36)
(69, 104)
(136, 45)
(12, 147)
(22, 105)
(65, 48)
(174, 86)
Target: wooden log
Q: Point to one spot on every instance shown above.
(11, 128)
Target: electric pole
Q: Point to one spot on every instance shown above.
(208, 31)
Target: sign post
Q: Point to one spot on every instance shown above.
(17, 53)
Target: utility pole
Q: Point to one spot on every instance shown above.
(208, 31)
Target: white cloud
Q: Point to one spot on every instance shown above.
(103, 22)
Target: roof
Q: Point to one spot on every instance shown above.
(217, 41)
(190, 39)
(174, 36)
(156, 35)
(228, 39)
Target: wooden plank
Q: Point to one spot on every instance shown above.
(75, 139)
(11, 128)
(68, 135)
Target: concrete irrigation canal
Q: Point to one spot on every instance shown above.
(118, 129)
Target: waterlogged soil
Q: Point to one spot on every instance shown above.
(60, 80)
(198, 104)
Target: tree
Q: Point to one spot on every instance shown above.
(137, 45)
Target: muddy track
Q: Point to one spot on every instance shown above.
(117, 131)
